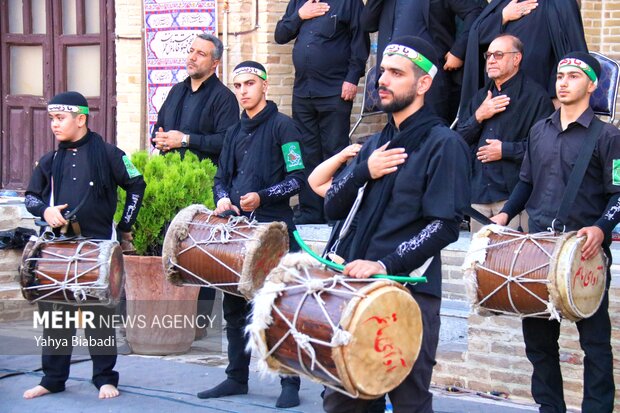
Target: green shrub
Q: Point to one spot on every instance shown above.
(171, 185)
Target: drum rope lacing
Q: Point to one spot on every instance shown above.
(510, 279)
(80, 290)
(315, 287)
(220, 233)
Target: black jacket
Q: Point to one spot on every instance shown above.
(96, 215)
(254, 159)
(529, 102)
(218, 110)
(439, 15)
(408, 216)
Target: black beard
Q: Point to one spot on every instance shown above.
(398, 103)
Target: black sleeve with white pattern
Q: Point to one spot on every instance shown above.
(285, 189)
(342, 193)
(611, 217)
(219, 192)
(411, 254)
(35, 205)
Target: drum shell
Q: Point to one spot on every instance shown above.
(551, 275)
(96, 261)
(342, 361)
(239, 265)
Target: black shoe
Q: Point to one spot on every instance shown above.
(228, 387)
(289, 397)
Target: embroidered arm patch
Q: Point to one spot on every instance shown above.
(616, 172)
(132, 171)
(292, 156)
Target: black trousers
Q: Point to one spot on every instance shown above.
(444, 94)
(413, 394)
(206, 299)
(324, 124)
(541, 346)
(236, 311)
(56, 362)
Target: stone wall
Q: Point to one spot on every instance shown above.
(12, 305)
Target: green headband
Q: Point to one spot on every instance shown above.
(58, 107)
(580, 64)
(251, 70)
(417, 58)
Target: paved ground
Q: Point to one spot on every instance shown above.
(151, 384)
(169, 384)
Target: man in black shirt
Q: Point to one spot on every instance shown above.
(548, 30)
(329, 55)
(553, 148)
(83, 169)
(415, 174)
(196, 115)
(198, 110)
(435, 22)
(261, 168)
(495, 124)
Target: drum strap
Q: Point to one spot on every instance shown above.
(577, 174)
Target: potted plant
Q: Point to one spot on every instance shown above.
(153, 303)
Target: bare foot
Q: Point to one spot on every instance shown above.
(35, 392)
(108, 391)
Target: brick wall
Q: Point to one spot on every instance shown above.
(260, 45)
(601, 22)
(130, 83)
(495, 360)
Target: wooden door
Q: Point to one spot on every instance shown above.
(47, 47)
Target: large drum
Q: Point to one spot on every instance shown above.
(359, 337)
(74, 272)
(533, 275)
(232, 254)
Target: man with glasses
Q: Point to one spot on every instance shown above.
(548, 29)
(495, 124)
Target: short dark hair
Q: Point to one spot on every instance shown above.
(75, 115)
(418, 72)
(517, 44)
(219, 47)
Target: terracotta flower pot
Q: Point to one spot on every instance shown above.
(163, 314)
